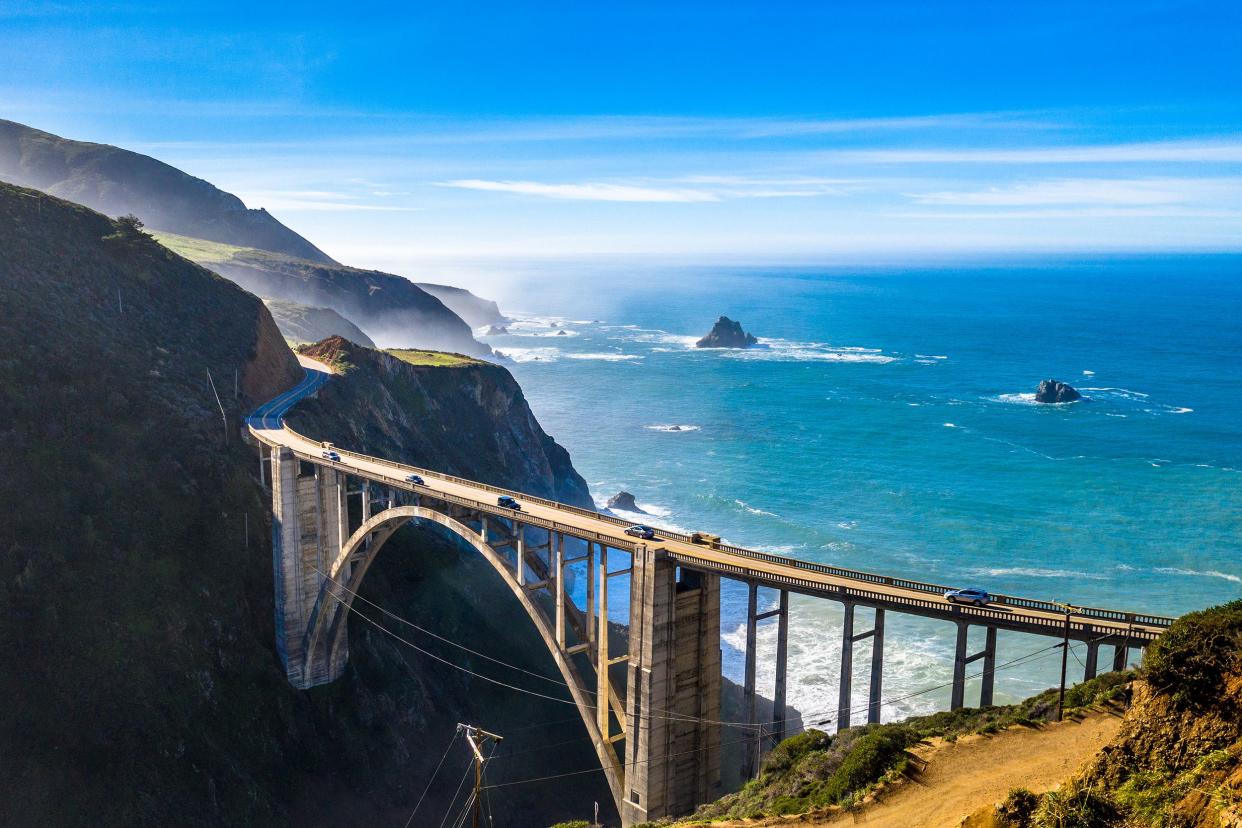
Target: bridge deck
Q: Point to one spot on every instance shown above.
(899, 594)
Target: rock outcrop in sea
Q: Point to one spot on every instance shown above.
(727, 333)
(624, 501)
(1054, 391)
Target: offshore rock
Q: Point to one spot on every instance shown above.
(625, 502)
(1053, 391)
(727, 333)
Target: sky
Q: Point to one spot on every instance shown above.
(458, 132)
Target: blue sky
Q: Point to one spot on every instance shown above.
(693, 131)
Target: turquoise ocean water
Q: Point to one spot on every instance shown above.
(888, 425)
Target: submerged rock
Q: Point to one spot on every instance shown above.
(625, 502)
(496, 330)
(727, 333)
(1054, 391)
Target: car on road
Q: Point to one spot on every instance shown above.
(640, 531)
(415, 479)
(969, 595)
(332, 455)
(506, 502)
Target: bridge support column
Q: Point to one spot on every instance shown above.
(988, 679)
(1120, 654)
(308, 515)
(958, 699)
(1093, 656)
(672, 760)
(848, 639)
(961, 660)
(750, 755)
(782, 660)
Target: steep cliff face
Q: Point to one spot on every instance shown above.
(303, 323)
(475, 310)
(469, 418)
(116, 181)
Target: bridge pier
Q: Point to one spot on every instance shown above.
(848, 639)
(672, 745)
(1120, 654)
(309, 527)
(961, 660)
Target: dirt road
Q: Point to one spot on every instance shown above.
(963, 776)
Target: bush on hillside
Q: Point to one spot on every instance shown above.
(1191, 659)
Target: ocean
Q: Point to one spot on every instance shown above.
(887, 424)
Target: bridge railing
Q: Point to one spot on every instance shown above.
(826, 569)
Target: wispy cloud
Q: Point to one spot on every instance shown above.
(1226, 150)
(701, 188)
(591, 191)
(317, 201)
(1140, 191)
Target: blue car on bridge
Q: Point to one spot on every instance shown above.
(969, 595)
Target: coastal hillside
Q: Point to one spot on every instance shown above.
(439, 416)
(391, 310)
(304, 324)
(118, 182)
(474, 310)
(136, 576)
(1177, 760)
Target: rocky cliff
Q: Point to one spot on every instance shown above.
(116, 181)
(303, 323)
(468, 418)
(475, 310)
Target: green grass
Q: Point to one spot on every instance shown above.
(198, 250)
(436, 359)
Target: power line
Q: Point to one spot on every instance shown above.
(456, 793)
(439, 764)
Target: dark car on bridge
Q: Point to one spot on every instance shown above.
(506, 502)
(969, 595)
(332, 455)
(640, 531)
(415, 479)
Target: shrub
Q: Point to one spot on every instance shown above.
(1018, 808)
(787, 753)
(871, 756)
(1074, 809)
(1191, 659)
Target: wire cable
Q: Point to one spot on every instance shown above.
(456, 793)
(439, 764)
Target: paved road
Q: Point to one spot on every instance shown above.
(901, 594)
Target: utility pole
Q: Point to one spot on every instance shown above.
(1064, 658)
(476, 737)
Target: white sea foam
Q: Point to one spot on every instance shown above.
(755, 511)
(673, 427)
(1019, 399)
(949, 425)
(931, 356)
(781, 350)
(1195, 573)
(1181, 410)
(847, 524)
(607, 357)
(1034, 572)
(1118, 392)
(1088, 373)
(531, 354)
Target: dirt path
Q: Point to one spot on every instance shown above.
(963, 776)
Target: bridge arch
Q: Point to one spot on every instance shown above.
(326, 638)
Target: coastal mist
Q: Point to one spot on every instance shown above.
(887, 422)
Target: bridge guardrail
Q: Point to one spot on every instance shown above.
(826, 569)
